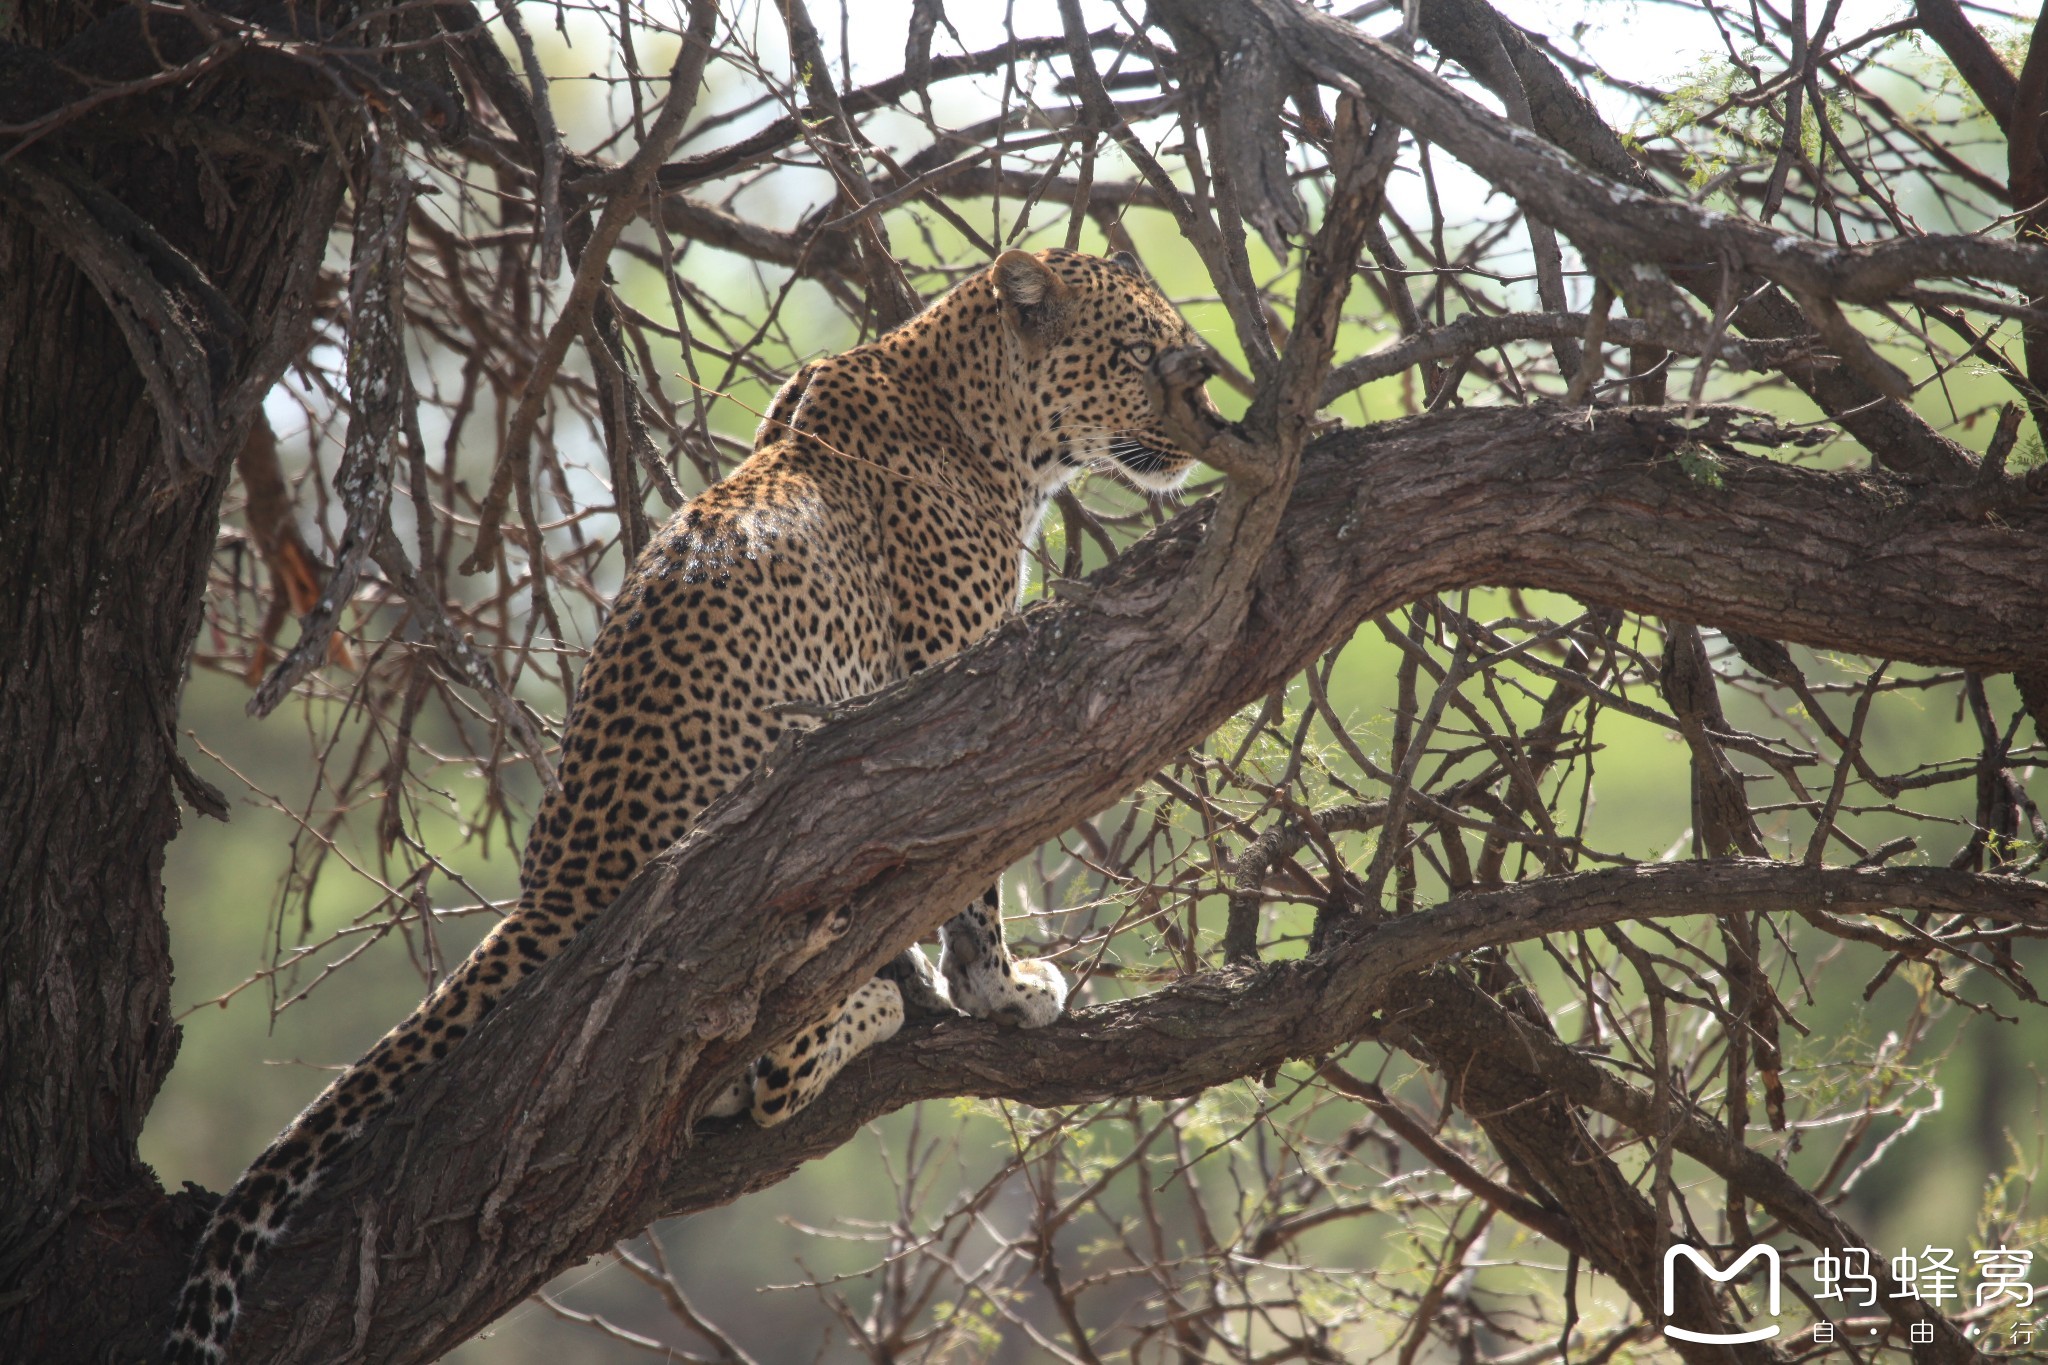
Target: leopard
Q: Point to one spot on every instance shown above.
(879, 526)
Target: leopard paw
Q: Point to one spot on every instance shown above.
(1020, 992)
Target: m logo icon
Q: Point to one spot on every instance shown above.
(1706, 1268)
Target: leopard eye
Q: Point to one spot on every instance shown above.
(1140, 351)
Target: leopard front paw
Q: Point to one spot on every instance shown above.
(1020, 992)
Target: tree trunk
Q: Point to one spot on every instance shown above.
(106, 530)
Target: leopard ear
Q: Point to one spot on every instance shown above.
(1035, 302)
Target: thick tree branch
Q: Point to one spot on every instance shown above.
(1501, 1034)
(1548, 1146)
(1225, 1025)
(571, 1110)
(1896, 435)
(1601, 214)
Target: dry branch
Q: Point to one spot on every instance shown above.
(685, 80)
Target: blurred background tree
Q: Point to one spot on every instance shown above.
(413, 323)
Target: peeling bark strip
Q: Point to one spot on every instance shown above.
(1061, 713)
(377, 389)
(166, 340)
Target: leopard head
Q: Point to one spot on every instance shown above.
(1105, 355)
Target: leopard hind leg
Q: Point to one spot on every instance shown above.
(921, 993)
(986, 981)
(790, 1077)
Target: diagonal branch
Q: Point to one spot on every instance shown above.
(838, 147)
(1478, 331)
(1578, 1079)
(1227, 1025)
(905, 809)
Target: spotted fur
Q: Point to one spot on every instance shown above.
(877, 528)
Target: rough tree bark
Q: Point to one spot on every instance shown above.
(107, 522)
